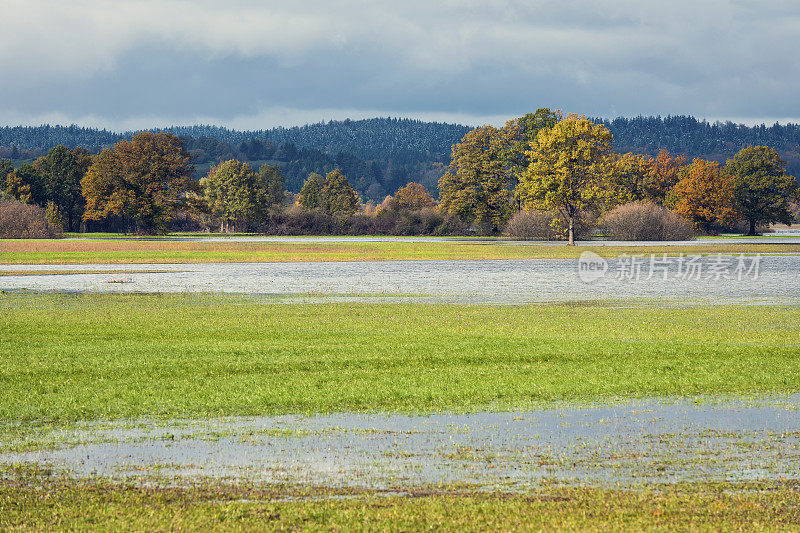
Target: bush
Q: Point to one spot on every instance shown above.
(299, 221)
(23, 221)
(547, 226)
(532, 226)
(644, 221)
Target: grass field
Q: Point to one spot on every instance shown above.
(31, 501)
(116, 356)
(160, 251)
(69, 358)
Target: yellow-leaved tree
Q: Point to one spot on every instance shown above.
(569, 163)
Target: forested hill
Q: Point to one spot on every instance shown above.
(687, 135)
(376, 138)
(379, 138)
(381, 154)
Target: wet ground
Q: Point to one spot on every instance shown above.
(709, 280)
(788, 235)
(638, 442)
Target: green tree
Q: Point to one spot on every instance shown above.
(232, 192)
(762, 190)
(475, 187)
(569, 162)
(337, 197)
(271, 184)
(6, 168)
(309, 194)
(26, 184)
(63, 169)
(145, 179)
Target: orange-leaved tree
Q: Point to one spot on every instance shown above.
(145, 179)
(663, 175)
(704, 196)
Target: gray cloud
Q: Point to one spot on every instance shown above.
(260, 63)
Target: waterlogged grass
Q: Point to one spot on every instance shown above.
(68, 272)
(33, 251)
(32, 499)
(67, 358)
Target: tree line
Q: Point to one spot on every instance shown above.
(543, 161)
(566, 164)
(145, 185)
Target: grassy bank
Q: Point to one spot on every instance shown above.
(162, 251)
(39, 503)
(114, 356)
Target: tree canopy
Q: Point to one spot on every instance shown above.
(761, 188)
(145, 179)
(476, 187)
(412, 197)
(704, 196)
(337, 197)
(62, 170)
(231, 191)
(568, 164)
(27, 185)
(309, 194)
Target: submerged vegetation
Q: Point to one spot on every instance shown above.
(35, 500)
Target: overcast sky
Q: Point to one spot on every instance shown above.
(255, 64)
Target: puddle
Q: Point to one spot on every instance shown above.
(646, 441)
(486, 281)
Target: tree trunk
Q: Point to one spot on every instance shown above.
(752, 227)
(571, 233)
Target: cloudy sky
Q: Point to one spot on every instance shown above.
(254, 64)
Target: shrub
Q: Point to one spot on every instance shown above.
(23, 221)
(548, 226)
(532, 226)
(644, 221)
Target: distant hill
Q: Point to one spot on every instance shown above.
(381, 154)
(375, 138)
(695, 138)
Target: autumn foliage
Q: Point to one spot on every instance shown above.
(412, 197)
(144, 180)
(569, 163)
(704, 195)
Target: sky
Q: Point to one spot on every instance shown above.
(131, 64)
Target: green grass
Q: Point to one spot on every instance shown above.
(66, 358)
(113, 235)
(43, 503)
(160, 251)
